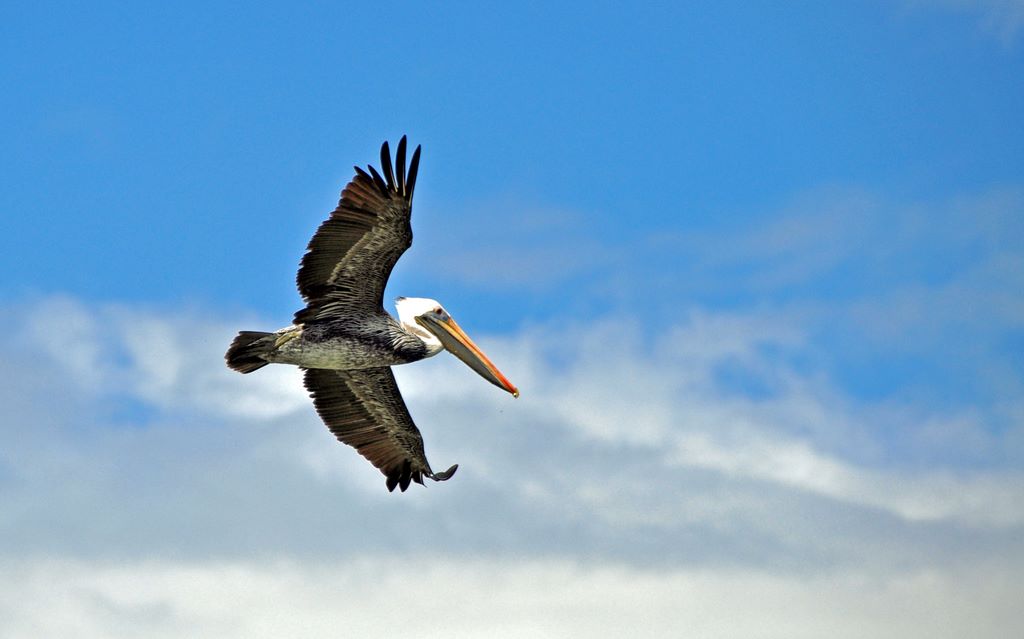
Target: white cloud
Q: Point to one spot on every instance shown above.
(171, 359)
(611, 387)
(672, 405)
(436, 597)
(183, 361)
(988, 499)
(65, 330)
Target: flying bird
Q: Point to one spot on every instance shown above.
(344, 339)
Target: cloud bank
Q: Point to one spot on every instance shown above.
(633, 486)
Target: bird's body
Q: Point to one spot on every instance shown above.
(347, 342)
(366, 342)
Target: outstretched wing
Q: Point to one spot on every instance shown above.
(351, 255)
(364, 409)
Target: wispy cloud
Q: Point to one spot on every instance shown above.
(503, 244)
(1002, 18)
(907, 297)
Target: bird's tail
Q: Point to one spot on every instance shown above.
(246, 353)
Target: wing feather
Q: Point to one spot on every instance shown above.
(350, 257)
(385, 166)
(379, 181)
(414, 166)
(400, 165)
(364, 409)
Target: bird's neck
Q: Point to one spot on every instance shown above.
(419, 339)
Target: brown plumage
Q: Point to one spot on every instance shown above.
(347, 342)
(349, 260)
(364, 409)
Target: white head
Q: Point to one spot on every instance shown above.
(427, 320)
(409, 308)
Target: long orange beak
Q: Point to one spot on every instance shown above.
(458, 344)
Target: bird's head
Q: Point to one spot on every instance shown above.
(426, 318)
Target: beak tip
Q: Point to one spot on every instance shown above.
(515, 393)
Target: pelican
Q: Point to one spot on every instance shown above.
(347, 343)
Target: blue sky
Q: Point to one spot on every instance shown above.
(756, 269)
